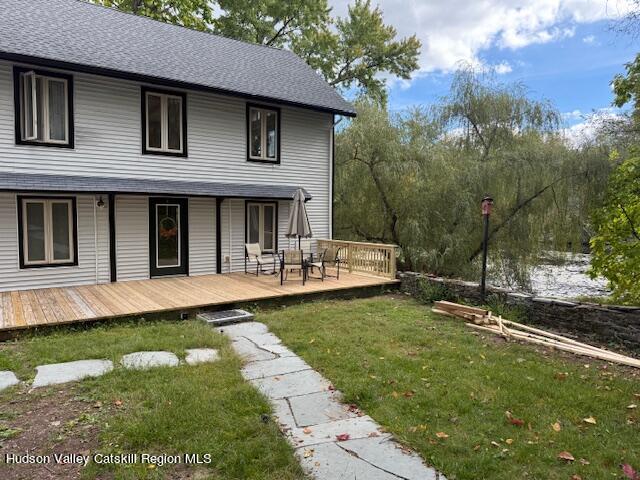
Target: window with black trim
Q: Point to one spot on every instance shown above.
(261, 225)
(47, 231)
(164, 122)
(263, 134)
(44, 108)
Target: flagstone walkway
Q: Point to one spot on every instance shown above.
(333, 441)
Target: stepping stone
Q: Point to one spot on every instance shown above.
(264, 339)
(56, 373)
(283, 413)
(330, 462)
(317, 408)
(358, 427)
(277, 366)
(298, 383)
(196, 356)
(144, 360)
(385, 454)
(249, 351)
(279, 350)
(243, 329)
(8, 379)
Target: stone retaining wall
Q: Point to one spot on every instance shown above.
(603, 324)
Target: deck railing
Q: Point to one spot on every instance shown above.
(373, 258)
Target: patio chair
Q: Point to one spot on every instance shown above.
(332, 258)
(253, 253)
(292, 261)
(317, 261)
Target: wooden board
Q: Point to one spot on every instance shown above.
(51, 306)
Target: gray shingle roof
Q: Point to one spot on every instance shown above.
(28, 182)
(96, 39)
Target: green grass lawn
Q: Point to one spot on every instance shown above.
(188, 409)
(420, 374)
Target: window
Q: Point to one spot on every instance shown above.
(164, 123)
(47, 231)
(261, 225)
(43, 108)
(263, 134)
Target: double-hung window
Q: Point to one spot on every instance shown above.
(263, 128)
(164, 122)
(43, 108)
(47, 231)
(261, 225)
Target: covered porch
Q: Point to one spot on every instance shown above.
(25, 309)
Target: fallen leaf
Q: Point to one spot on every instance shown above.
(395, 394)
(564, 455)
(509, 441)
(632, 406)
(637, 395)
(562, 375)
(409, 394)
(56, 423)
(312, 340)
(556, 427)
(576, 477)
(590, 420)
(374, 434)
(308, 453)
(584, 461)
(495, 444)
(117, 403)
(306, 430)
(476, 448)
(442, 435)
(331, 388)
(629, 472)
(343, 437)
(513, 420)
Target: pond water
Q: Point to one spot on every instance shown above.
(568, 280)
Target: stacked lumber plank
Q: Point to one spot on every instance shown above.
(484, 320)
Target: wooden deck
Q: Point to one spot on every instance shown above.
(52, 306)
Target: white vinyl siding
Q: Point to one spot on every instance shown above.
(202, 236)
(132, 237)
(91, 269)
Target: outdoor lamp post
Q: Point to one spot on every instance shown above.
(487, 203)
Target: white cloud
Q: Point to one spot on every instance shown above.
(502, 68)
(460, 30)
(586, 130)
(590, 40)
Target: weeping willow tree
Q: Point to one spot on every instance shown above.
(416, 179)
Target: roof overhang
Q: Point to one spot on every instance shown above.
(41, 183)
(124, 75)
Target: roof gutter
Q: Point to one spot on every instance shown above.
(109, 72)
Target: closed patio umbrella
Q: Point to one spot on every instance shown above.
(298, 225)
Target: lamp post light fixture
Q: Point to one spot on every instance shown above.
(487, 204)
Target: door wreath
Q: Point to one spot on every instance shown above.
(168, 228)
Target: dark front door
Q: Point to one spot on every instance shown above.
(168, 236)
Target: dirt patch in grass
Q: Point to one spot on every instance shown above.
(49, 422)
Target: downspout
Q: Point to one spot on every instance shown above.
(95, 236)
(332, 174)
(230, 238)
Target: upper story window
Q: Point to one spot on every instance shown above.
(263, 134)
(164, 122)
(44, 108)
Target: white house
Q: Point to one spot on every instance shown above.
(131, 149)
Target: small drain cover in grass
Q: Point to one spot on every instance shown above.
(225, 317)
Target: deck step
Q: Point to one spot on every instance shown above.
(225, 317)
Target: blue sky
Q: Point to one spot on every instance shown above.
(573, 72)
(562, 50)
